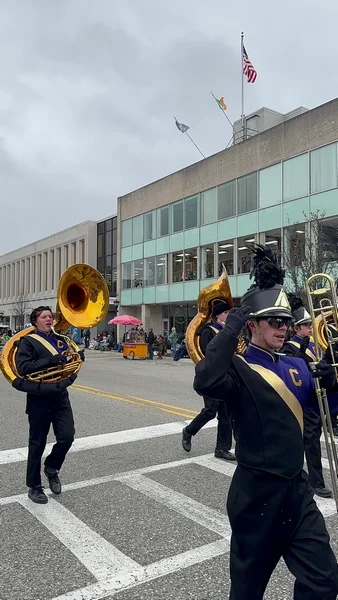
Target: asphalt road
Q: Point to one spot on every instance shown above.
(138, 517)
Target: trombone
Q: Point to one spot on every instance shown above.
(317, 286)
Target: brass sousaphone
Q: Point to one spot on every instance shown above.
(82, 301)
(216, 291)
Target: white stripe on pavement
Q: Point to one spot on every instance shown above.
(191, 509)
(100, 557)
(161, 568)
(107, 439)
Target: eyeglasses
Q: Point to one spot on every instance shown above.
(278, 322)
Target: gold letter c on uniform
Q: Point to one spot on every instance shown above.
(297, 382)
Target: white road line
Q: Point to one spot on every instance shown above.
(111, 587)
(107, 439)
(191, 509)
(100, 557)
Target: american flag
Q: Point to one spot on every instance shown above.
(248, 69)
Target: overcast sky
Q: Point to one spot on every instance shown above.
(88, 90)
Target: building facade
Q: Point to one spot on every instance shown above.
(107, 264)
(29, 276)
(175, 234)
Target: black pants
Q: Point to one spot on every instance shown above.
(209, 412)
(272, 517)
(41, 415)
(313, 454)
(87, 340)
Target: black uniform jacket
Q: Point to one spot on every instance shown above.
(266, 400)
(207, 333)
(35, 355)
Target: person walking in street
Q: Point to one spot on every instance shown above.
(270, 503)
(173, 340)
(47, 404)
(151, 340)
(300, 346)
(86, 336)
(212, 407)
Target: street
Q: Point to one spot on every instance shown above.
(138, 518)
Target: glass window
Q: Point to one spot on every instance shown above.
(108, 225)
(127, 233)
(177, 216)
(226, 256)
(161, 269)
(247, 193)
(114, 260)
(149, 268)
(244, 256)
(273, 240)
(226, 195)
(138, 273)
(190, 264)
(107, 276)
(296, 177)
(100, 246)
(327, 237)
(324, 168)
(177, 266)
(208, 261)
(126, 276)
(191, 212)
(208, 206)
(294, 245)
(107, 243)
(114, 222)
(100, 227)
(114, 241)
(114, 283)
(270, 186)
(138, 229)
(100, 265)
(107, 261)
(149, 226)
(163, 221)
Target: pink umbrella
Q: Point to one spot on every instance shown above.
(125, 320)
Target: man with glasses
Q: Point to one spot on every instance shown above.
(270, 503)
(301, 346)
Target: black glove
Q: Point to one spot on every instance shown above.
(328, 353)
(327, 374)
(304, 344)
(236, 319)
(82, 355)
(58, 359)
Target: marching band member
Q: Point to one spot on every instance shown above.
(270, 503)
(47, 404)
(211, 408)
(301, 346)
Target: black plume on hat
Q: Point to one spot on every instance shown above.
(266, 271)
(295, 302)
(266, 296)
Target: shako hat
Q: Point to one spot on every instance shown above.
(219, 306)
(298, 310)
(266, 296)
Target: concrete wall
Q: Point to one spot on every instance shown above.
(27, 279)
(292, 137)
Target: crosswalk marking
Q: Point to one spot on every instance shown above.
(113, 570)
(107, 439)
(189, 508)
(99, 557)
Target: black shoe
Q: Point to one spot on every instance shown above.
(323, 492)
(54, 481)
(37, 495)
(225, 454)
(186, 440)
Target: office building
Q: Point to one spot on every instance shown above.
(175, 233)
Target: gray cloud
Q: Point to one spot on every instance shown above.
(88, 91)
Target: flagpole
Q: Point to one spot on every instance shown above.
(223, 111)
(242, 54)
(200, 151)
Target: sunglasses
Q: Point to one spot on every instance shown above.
(278, 322)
